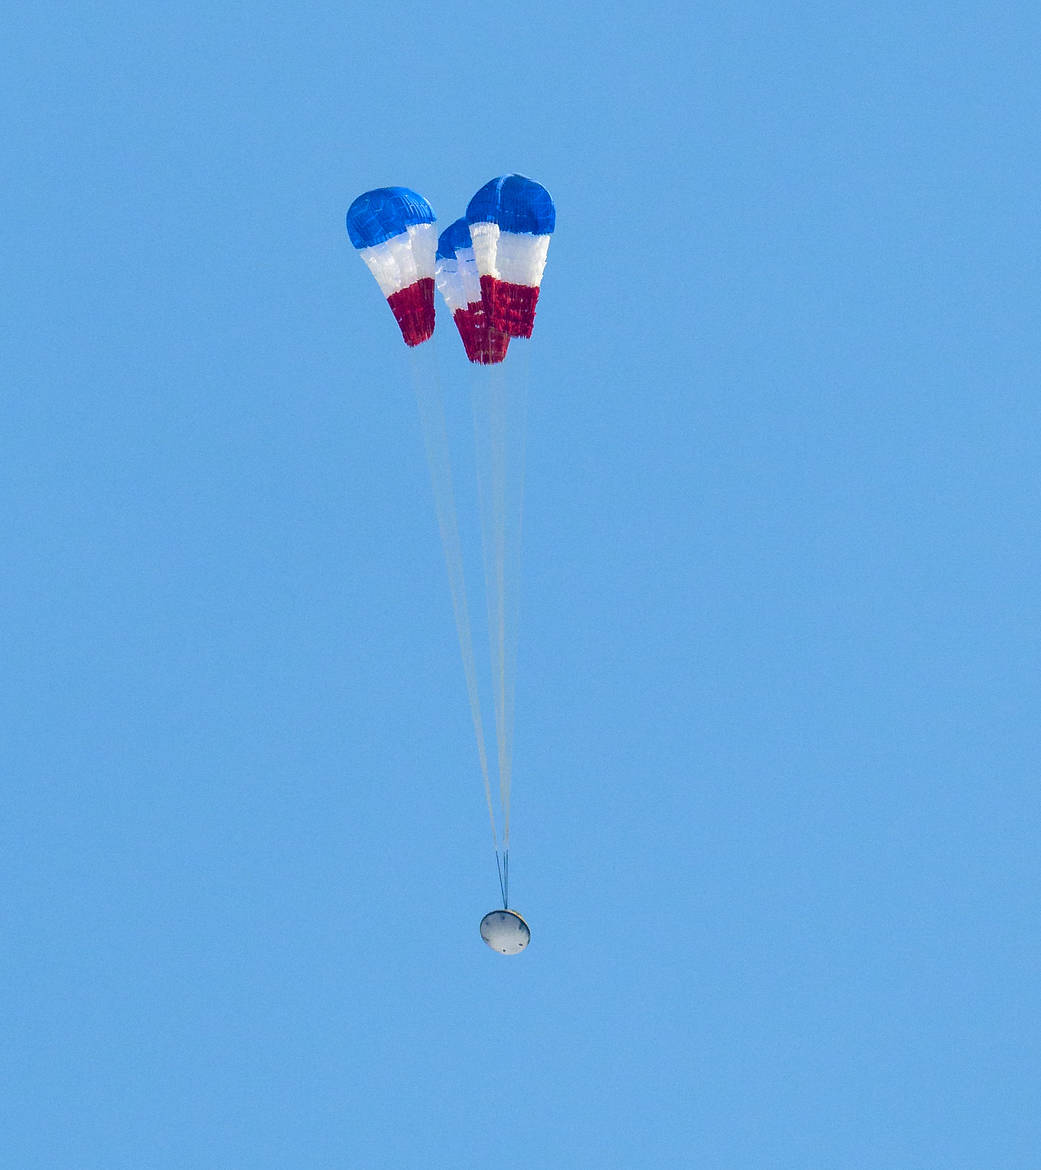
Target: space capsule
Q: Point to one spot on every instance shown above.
(505, 931)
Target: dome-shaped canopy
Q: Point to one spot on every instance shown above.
(505, 931)
(386, 212)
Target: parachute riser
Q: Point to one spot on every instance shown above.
(503, 880)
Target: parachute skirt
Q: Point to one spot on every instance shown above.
(484, 344)
(413, 309)
(510, 307)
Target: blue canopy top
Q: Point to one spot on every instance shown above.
(380, 215)
(454, 237)
(516, 204)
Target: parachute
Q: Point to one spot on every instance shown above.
(488, 267)
(511, 219)
(459, 284)
(393, 230)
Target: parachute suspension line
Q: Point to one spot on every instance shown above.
(496, 587)
(516, 445)
(426, 382)
(499, 425)
(487, 403)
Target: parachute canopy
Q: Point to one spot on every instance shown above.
(457, 280)
(393, 230)
(511, 219)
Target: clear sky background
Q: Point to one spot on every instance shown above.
(776, 801)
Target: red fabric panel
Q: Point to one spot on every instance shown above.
(413, 309)
(510, 306)
(482, 341)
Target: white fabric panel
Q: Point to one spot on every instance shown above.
(521, 258)
(515, 257)
(471, 278)
(457, 280)
(486, 239)
(424, 248)
(450, 284)
(404, 259)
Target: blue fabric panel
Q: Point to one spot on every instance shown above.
(454, 237)
(516, 204)
(378, 216)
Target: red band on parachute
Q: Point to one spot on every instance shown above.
(413, 308)
(481, 340)
(510, 306)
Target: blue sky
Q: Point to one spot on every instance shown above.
(775, 812)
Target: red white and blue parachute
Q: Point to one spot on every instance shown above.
(458, 282)
(393, 230)
(511, 219)
(488, 267)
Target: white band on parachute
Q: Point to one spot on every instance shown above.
(515, 257)
(400, 261)
(457, 280)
